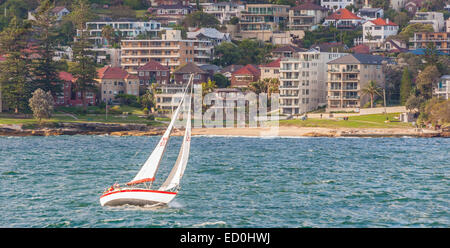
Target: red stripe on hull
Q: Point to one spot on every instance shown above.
(139, 190)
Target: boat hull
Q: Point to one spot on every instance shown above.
(136, 197)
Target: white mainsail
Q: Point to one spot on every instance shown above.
(148, 170)
(174, 178)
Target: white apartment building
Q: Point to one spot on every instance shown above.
(224, 11)
(303, 81)
(336, 4)
(436, 19)
(443, 88)
(127, 29)
(375, 32)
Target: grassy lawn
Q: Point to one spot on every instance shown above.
(363, 121)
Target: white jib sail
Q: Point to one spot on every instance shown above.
(174, 178)
(148, 170)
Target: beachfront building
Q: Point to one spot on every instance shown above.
(270, 70)
(171, 51)
(68, 96)
(152, 73)
(244, 76)
(334, 5)
(261, 20)
(224, 11)
(303, 81)
(442, 90)
(438, 40)
(435, 19)
(343, 19)
(127, 29)
(114, 81)
(306, 16)
(349, 74)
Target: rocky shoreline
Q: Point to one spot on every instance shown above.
(145, 130)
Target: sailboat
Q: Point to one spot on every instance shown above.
(139, 191)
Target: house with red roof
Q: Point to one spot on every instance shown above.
(114, 81)
(69, 96)
(270, 70)
(376, 31)
(244, 76)
(343, 19)
(152, 72)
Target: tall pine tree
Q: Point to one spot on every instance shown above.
(83, 68)
(45, 69)
(405, 86)
(14, 71)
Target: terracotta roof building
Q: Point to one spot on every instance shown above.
(152, 72)
(343, 19)
(183, 73)
(270, 70)
(68, 96)
(244, 76)
(114, 81)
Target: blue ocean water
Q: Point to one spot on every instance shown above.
(230, 182)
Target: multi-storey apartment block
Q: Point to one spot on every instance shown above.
(224, 11)
(171, 51)
(152, 73)
(303, 81)
(260, 20)
(125, 28)
(306, 16)
(349, 74)
(337, 4)
(443, 88)
(440, 41)
(114, 81)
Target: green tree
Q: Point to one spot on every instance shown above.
(227, 53)
(426, 80)
(371, 89)
(83, 69)
(15, 71)
(45, 69)
(41, 103)
(108, 34)
(405, 86)
(200, 19)
(221, 80)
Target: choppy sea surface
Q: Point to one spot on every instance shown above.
(230, 182)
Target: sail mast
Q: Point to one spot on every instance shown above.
(174, 178)
(148, 170)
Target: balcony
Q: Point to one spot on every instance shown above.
(288, 87)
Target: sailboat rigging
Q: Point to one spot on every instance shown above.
(139, 190)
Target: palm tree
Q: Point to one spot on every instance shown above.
(273, 85)
(371, 89)
(259, 86)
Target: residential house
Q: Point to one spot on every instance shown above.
(114, 81)
(360, 49)
(244, 76)
(224, 11)
(303, 81)
(59, 12)
(335, 4)
(442, 90)
(286, 51)
(412, 6)
(182, 74)
(152, 73)
(261, 20)
(343, 19)
(439, 40)
(228, 70)
(209, 34)
(330, 47)
(368, 13)
(347, 76)
(171, 51)
(171, 14)
(69, 96)
(397, 4)
(376, 31)
(435, 19)
(270, 70)
(306, 16)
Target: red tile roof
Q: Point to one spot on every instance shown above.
(153, 66)
(248, 69)
(382, 22)
(66, 76)
(361, 49)
(343, 14)
(275, 63)
(109, 72)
